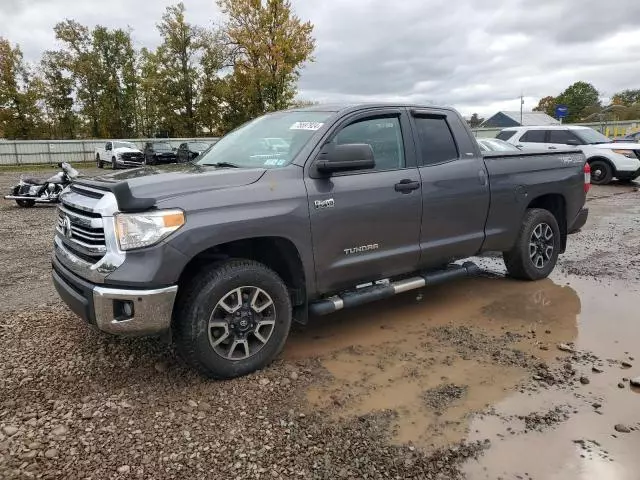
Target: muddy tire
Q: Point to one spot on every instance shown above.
(232, 319)
(537, 247)
(601, 172)
(114, 164)
(99, 163)
(26, 203)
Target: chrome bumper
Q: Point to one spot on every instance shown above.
(151, 310)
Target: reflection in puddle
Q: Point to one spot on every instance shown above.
(472, 346)
(390, 355)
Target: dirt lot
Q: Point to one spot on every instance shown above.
(483, 378)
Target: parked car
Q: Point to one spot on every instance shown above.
(190, 150)
(119, 154)
(632, 137)
(369, 201)
(159, 152)
(496, 145)
(606, 158)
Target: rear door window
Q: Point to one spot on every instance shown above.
(533, 136)
(436, 143)
(561, 136)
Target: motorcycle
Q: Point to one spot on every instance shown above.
(30, 191)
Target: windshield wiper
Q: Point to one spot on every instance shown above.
(221, 165)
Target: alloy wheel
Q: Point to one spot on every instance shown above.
(242, 323)
(541, 245)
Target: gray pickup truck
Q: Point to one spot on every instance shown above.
(352, 204)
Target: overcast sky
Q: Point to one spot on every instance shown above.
(477, 58)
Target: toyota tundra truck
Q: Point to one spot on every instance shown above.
(366, 202)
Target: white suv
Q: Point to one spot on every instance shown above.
(607, 159)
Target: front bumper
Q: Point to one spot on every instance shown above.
(116, 310)
(129, 163)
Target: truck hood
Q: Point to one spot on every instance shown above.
(126, 150)
(160, 183)
(618, 146)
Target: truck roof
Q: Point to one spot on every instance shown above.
(342, 107)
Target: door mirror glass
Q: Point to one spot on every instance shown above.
(345, 157)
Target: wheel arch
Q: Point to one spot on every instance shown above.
(556, 204)
(278, 253)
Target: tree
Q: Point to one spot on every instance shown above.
(20, 115)
(268, 45)
(577, 98)
(626, 98)
(57, 90)
(475, 121)
(178, 58)
(547, 105)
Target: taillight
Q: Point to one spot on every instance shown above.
(587, 177)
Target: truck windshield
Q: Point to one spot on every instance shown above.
(252, 145)
(162, 147)
(591, 137)
(124, 145)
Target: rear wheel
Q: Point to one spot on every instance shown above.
(537, 247)
(26, 203)
(99, 163)
(233, 319)
(601, 172)
(114, 164)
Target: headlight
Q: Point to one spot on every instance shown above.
(138, 230)
(626, 153)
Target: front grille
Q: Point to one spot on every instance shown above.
(133, 157)
(80, 228)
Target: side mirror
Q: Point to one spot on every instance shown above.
(344, 158)
(573, 142)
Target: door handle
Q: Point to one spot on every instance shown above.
(406, 186)
(553, 148)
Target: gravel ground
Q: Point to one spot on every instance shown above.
(387, 391)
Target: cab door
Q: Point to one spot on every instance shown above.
(366, 224)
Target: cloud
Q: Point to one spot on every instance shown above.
(475, 56)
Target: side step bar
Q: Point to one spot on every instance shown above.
(378, 292)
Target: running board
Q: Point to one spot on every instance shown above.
(378, 292)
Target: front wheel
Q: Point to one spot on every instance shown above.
(114, 164)
(537, 247)
(233, 319)
(601, 172)
(26, 203)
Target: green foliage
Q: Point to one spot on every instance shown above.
(627, 98)
(578, 97)
(547, 105)
(268, 45)
(19, 93)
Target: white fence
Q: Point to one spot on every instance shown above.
(24, 152)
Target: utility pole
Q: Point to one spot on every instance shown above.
(521, 104)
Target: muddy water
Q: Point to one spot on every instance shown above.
(455, 362)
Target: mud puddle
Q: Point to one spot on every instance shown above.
(478, 359)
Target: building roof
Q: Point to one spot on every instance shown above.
(528, 119)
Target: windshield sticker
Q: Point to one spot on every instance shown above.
(274, 162)
(306, 126)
